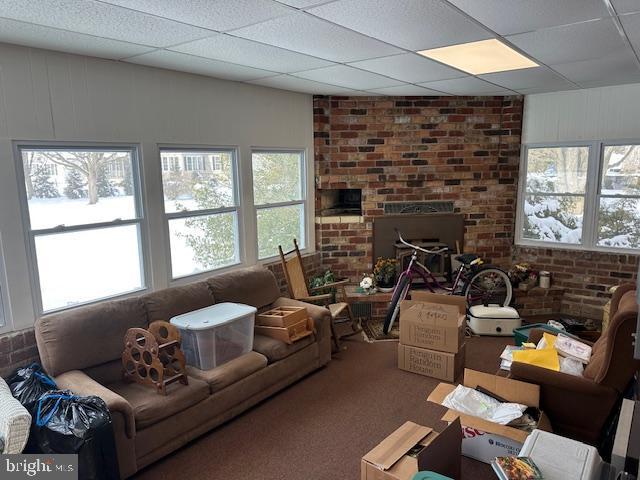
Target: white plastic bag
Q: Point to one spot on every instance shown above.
(571, 366)
(472, 402)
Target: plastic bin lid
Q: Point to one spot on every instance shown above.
(213, 316)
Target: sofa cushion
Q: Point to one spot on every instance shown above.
(87, 336)
(229, 373)
(167, 303)
(150, 407)
(254, 286)
(276, 350)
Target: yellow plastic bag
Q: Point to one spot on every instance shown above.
(550, 339)
(546, 358)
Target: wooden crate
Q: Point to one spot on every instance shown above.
(282, 317)
(289, 334)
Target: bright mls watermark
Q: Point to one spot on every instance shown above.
(36, 466)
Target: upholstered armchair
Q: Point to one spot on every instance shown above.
(579, 407)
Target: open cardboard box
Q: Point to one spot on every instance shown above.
(395, 458)
(484, 440)
(433, 321)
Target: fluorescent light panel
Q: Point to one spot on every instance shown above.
(476, 58)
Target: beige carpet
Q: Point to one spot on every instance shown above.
(319, 428)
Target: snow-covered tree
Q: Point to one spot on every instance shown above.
(43, 187)
(75, 186)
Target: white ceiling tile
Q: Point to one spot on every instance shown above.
(631, 25)
(246, 52)
(626, 6)
(305, 34)
(287, 82)
(529, 78)
(412, 24)
(531, 91)
(515, 16)
(64, 41)
(571, 43)
(101, 20)
(609, 70)
(409, 67)
(302, 3)
(201, 66)
(215, 14)
(345, 76)
(466, 86)
(413, 90)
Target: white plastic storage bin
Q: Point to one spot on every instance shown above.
(493, 320)
(214, 335)
(560, 458)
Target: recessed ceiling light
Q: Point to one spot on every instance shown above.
(485, 56)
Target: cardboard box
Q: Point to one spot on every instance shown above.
(484, 440)
(413, 448)
(433, 321)
(431, 363)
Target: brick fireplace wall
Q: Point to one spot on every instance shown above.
(460, 149)
(585, 277)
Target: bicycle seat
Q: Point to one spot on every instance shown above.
(467, 258)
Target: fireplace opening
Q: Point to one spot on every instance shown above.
(340, 201)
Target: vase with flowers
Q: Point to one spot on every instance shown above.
(385, 273)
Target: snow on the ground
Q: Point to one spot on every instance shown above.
(83, 266)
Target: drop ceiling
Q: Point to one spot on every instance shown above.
(346, 47)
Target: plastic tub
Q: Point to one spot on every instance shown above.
(521, 335)
(214, 335)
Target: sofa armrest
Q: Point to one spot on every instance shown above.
(82, 384)
(558, 380)
(319, 314)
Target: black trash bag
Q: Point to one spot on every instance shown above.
(28, 384)
(68, 423)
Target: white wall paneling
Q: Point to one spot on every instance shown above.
(49, 96)
(606, 113)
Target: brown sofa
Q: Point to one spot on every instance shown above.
(82, 349)
(579, 407)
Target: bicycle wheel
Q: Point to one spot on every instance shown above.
(399, 294)
(489, 285)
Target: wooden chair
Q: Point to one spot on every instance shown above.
(297, 284)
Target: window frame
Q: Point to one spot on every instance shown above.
(237, 208)
(140, 220)
(6, 323)
(304, 201)
(592, 197)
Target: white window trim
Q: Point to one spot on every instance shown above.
(6, 322)
(308, 221)
(237, 208)
(140, 221)
(592, 196)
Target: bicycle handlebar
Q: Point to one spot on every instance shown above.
(437, 251)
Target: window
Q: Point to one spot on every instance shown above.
(216, 162)
(116, 169)
(618, 215)
(201, 208)
(279, 199)
(193, 163)
(581, 196)
(4, 304)
(84, 232)
(170, 164)
(50, 169)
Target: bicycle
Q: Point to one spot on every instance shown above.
(479, 283)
